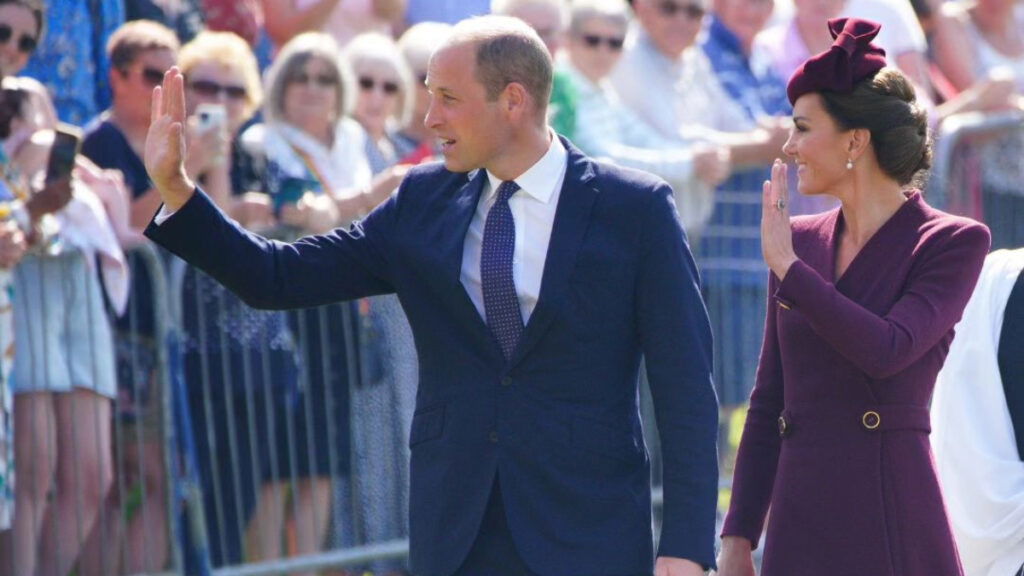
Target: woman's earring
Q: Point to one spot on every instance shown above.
(849, 164)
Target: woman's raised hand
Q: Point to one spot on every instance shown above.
(776, 234)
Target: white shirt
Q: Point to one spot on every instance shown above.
(972, 433)
(533, 209)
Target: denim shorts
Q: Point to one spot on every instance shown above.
(61, 328)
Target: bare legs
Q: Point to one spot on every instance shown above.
(61, 441)
(311, 506)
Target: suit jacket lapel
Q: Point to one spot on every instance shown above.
(450, 249)
(572, 217)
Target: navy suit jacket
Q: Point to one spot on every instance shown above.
(559, 423)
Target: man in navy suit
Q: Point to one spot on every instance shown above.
(533, 287)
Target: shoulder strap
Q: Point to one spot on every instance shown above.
(1011, 359)
(311, 167)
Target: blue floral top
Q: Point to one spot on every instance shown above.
(72, 59)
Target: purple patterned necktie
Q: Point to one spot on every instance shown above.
(501, 304)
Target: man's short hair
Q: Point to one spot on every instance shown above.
(136, 37)
(507, 51)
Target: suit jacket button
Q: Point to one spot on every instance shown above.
(506, 381)
(493, 437)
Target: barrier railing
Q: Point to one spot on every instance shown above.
(961, 179)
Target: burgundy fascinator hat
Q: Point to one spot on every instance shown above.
(851, 58)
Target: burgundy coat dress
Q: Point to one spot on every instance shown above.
(836, 439)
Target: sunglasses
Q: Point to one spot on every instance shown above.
(211, 89)
(151, 76)
(322, 80)
(595, 40)
(669, 9)
(26, 43)
(368, 84)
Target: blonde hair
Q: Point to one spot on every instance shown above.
(230, 51)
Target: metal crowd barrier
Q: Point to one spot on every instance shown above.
(961, 176)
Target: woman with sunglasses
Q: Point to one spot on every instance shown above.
(64, 375)
(316, 171)
(382, 409)
(607, 129)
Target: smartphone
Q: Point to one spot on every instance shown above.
(211, 116)
(66, 143)
(291, 190)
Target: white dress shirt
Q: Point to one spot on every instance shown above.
(533, 209)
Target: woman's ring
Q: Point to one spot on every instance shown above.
(780, 204)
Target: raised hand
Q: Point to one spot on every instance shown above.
(165, 142)
(776, 234)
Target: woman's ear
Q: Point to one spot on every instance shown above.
(860, 139)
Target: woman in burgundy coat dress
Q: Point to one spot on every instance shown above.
(863, 300)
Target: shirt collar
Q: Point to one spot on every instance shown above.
(539, 180)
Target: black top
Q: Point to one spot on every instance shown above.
(1011, 359)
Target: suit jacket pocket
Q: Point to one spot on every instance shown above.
(427, 424)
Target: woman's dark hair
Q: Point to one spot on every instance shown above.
(886, 105)
(38, 9)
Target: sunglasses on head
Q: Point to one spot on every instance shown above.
(670, 9)
(325, 80)
(212, 89)
(595, 40)
(26, 43)
(368, 84)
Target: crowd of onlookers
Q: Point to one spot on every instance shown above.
(303, 115)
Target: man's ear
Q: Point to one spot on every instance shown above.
(515, 100)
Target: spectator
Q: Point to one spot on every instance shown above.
(64, 374)
(342, 19)
(549, 19)
(12, 248)
(139, 51)
(858, 327)
(414, 140)
(607, 129)
(802, 33)
(978, 420)
(241, 365)
(317, 174)
(977, 44)
(383, 102)
(720, 94)
(71, 62)
(28, 29)
(383, 407)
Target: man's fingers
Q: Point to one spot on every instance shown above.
(156, 106)
(176, 95)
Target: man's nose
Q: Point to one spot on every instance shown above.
(430, 119)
